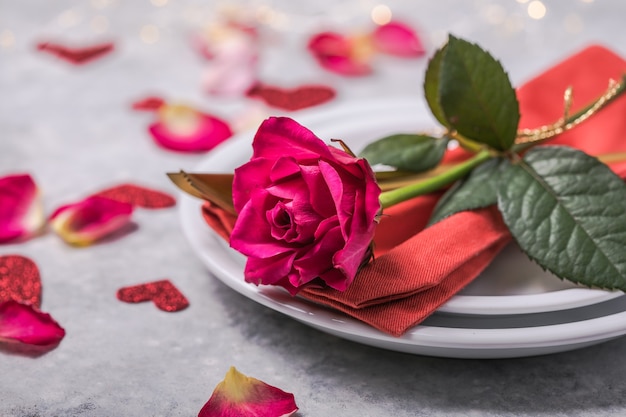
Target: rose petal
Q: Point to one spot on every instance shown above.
(340, 54)
(271, 271)
(239, 395)
(228, 77)
(19, 280)
(279, 133)
(21, 211)
(150, 103)
(89, 220)
(138, 196)
(233, 51)
(251, 234)
(21, 323)
(396, 38)
(182, 128)
(77, 55)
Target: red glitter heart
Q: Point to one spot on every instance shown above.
(292, 99)
(138, 196)
(162, 293)
(19, 280)
(76, 56)
(150, 103)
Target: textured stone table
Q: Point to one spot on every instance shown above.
(71, 128)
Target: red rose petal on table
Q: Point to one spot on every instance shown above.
(396, 38)
(21, 211)
(182, 128)
(19, 280)
(77, 55)
(162, 293)
(138, 196)
(293, 99)
(151, 103)
(89, 220)
(340, 54)
(240, 395)
(21, 323)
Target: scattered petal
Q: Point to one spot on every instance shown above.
(89, 220)
(21, 211)
(293, 99)
(232, 49)
(21, 323)
(340, 54)
(19, 280)
(351, 55)
(230, 77)
(396, 38)
(150, 103)
(162, 293)
(183, 128)
(240, 395)
(138, 196)
(77, 55)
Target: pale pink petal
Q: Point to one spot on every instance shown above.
(21, 211)
(239, 395)
(230, 77)
(89, 220)
(232, 49)
(340, 54)
(396, 38)
(182, 128)
(233, 69)
(21, 323)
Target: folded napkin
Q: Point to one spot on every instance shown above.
(417, 269)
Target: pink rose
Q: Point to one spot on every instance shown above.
(306, 210)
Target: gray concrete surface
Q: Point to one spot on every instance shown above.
(72, 129)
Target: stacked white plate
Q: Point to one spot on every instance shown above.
(513, 309)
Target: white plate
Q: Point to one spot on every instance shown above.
(512, 309)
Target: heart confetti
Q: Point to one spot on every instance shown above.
(19, 280)
(293, 99)
(138, 196)
(76, 55)
(150, 103)
(162, 293)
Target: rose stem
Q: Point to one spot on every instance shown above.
(392, 197)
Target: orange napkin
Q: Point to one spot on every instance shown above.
(417, 270)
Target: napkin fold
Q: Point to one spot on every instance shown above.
(418, 269)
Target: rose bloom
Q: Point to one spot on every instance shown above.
(305, 210)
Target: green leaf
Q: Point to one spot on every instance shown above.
(431, 86)
(567, 211)
(409, 152)
(477, 190)
(476, 95)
